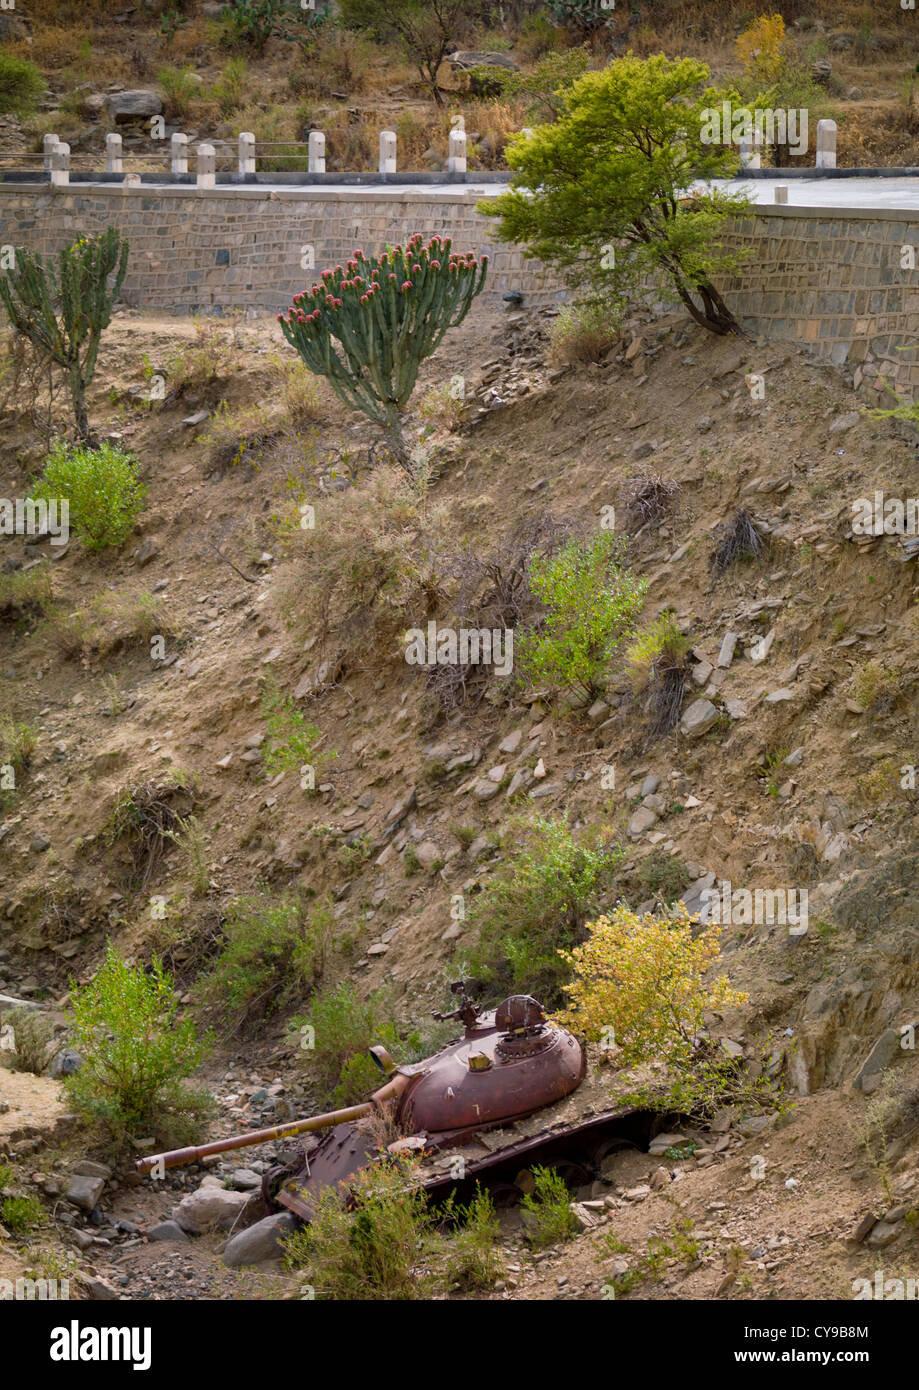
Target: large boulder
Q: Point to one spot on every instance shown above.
(464, 60)
(135, 105)
(260, 1242)
(209, 1209)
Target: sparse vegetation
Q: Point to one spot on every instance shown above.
(547, 1215)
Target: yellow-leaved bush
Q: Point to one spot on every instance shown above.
(640, 982)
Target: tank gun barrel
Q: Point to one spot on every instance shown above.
(176, 1158)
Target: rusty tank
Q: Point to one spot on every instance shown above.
(512, 1091)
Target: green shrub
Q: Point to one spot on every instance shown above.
(548, 1218)
(473, 1258)
(180, 89)
(383, 1245)
(344, 1028)
(592, 601)
(21, 1214)
(137, 1054)
(585, 331)
(101, 487)
(537, 904)
(271, 953)
(17, 744)
(662, 876)
(21, 86)
(291, 741)
(23, 592)
(230, 86)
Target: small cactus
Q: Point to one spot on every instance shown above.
(64, 316)
(369, 325)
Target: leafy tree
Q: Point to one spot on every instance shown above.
(644, 978)
(604, 193)
(136, 1053)
(65, 315)
(427, 30)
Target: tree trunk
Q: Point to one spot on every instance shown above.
(78, 395)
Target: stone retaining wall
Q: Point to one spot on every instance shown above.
(831, 278)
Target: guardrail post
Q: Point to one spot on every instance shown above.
(60, 164)
(206, 167)
(826, 144)
(749, 152)
(316, 152)
(113, 164)
(456, 157)
(246, 153)
(48, 143)
(178, 154)
(387, 151)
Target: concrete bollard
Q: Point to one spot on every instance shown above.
(131, 181)
(178, 154)
(387, 151)
(246, 153)
(456, 158)
(60, 164)
(113, 164)
(781, 193)
(48, 143)
(826, 144)
(749, 153)
(316, 152)
(206, 167)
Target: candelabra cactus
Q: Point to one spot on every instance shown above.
(64, 316)
(369, 325)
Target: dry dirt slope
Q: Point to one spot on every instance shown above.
(834, 820)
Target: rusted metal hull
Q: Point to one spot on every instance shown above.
(488, 1079)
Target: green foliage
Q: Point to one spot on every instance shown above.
(25, 591)
(547, 1215)
(386, 314)
(21, 86)
(291, 741)
(137, 1053)
(101, 487)
(537, 903)
(586, 16)
(254, 22)
(383, 1245)
(229, 89)
(345, 1027)
(662, 876)
(272, 953)
(180, 89)
(662, 638)
(64, 315)
(592, 601)
(21, 1214)
(473, 1258)
(602, 192)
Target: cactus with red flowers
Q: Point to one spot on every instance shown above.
(369, 325)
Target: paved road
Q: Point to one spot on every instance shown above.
(895, 193)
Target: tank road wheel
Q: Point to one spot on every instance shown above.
(505, 1196)
(272, 1181)
(572, 1173)
(605, 1148)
